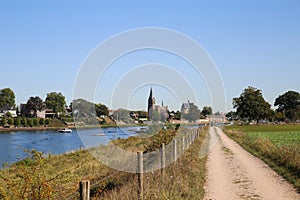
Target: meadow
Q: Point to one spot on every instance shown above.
(277, 145)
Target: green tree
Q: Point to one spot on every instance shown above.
(56, 102)
(47, 122)
(121, 115)
(288, 104)
(193, 113)
(42, 121)
(10, 121)
(32, 106)
(231, 115)
(4, 121)
(24, 121)
(35, 121)
(251, 105)
(7, 99)
(17, 122)
(101, 110)
(30, 122)
(206, 111)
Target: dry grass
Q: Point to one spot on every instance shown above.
(57, 177)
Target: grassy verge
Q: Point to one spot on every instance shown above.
(57, 177)
(183, 179)
(278, 146)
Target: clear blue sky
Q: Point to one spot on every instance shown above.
(252, 42)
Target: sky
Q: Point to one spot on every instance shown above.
(43, 45)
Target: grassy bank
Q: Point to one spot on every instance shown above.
(57, 177)
(183, 179)
(277, 145)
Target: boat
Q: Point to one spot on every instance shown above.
(98, 134)
(65, 130)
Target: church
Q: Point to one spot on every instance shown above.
(161, 110)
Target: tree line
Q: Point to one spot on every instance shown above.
(55, 103)
(251, 106)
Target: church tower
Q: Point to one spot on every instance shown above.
(151, 103)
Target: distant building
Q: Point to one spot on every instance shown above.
(162, 110)
(185, 108)
(12, 112)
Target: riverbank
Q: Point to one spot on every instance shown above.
(58, 176)
(14, 129)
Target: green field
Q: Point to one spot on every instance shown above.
(277, 145)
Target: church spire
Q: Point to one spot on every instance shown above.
(162, 103)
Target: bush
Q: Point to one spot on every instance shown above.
(35, 121)
(24, 121)
(42, 121)
(10, 121)
(30, 122)
(18, 122)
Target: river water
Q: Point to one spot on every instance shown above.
(12, 144)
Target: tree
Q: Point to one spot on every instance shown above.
(18, 122)
(101, 110)
(121, 115)
(193, 113)
(83, 109)
(7, 99)
(231, 115)
(32, 106)
(288, 104)
(206, 111)
(24, 121)
(42, 121)
(56, 102)
(251, 105)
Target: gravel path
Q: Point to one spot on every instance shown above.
(233, 173)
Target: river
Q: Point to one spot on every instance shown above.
(12, 144)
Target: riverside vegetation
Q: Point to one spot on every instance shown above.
(277, 145)
(43, 176)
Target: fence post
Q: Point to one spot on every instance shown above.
(140, 175)
(163, 159)
(84, 189)
(175, 150)
(183, 141)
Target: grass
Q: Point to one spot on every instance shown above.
(277, 145)
(183, 179)
(57, 177)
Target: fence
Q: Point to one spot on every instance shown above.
(184, 141)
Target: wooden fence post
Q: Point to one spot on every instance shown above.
(175, 150)
(163, 159)
(84, 189)
(183, 141)
(140, 175)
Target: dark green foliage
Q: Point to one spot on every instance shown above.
(101, 110)
(251, 105)
(7, 99)
(24, 121)
(206, 111)
(30, 122)
(289, 104)
(56, 102)
(18, 122)
(42, 121)
(10, 121)
(32, 106)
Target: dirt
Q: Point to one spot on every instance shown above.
(233, 173)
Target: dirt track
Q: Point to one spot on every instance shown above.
(233, 173)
